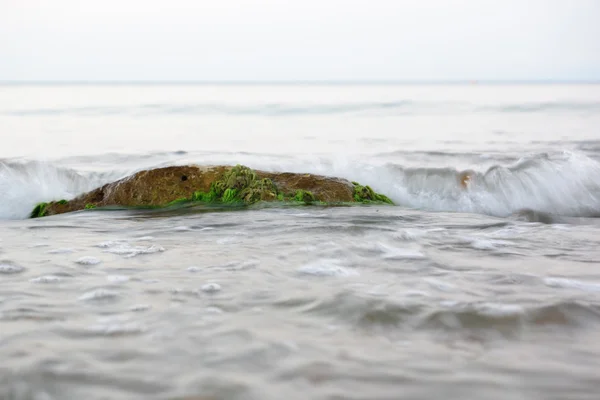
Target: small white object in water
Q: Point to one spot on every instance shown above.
(211, 287)
(88, 260)
(193, 269)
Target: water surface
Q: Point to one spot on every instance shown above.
(490, 291)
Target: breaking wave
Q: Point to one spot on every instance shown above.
(24, 184)
(561, 184)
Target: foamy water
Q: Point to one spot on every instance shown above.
(489, 290)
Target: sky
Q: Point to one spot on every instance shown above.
(299, 40)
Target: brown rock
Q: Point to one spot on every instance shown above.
(160, 186)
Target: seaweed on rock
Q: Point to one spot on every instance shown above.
(232, 186)
(364, 194)
(39, 210)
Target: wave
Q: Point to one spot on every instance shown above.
(564, 183)
(539, 186)
(397, 107)
(27, 183)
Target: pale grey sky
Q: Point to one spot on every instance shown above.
(270, 40)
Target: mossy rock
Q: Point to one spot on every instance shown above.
(238, 185)
(364, 194)
(39, 210)
(304, 196)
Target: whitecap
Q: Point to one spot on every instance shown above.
(397, 253)
(326, 268)
(482, 244)
(128, 251)
(500, 310)
(211, 287)
(572, 284)
(88, 260)
(110, 243)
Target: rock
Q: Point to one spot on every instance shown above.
(168, 186)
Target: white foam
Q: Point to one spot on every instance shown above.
(88, 260)
(572, 284)
(65, 250)
(110, 243)
(500, 310)
(399, 253)
(144, 238)
(128, 251)
(211, 287)
(46, 279)
(326, 268)
(562, 183)
(98, 294)
(24, 184)
(409, 234)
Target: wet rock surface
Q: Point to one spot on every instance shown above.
(167, 186)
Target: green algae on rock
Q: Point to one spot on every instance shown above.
(364, 194)
(39, 210)
(304, 196)
(237, 185)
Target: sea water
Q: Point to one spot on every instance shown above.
(486, 291)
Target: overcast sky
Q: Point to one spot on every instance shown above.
(299, 40)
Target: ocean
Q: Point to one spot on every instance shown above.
(489, 291)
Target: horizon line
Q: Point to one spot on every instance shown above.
(300, 82)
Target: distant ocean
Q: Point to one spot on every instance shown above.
(487, 292)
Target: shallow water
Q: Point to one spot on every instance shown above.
(492, 291)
